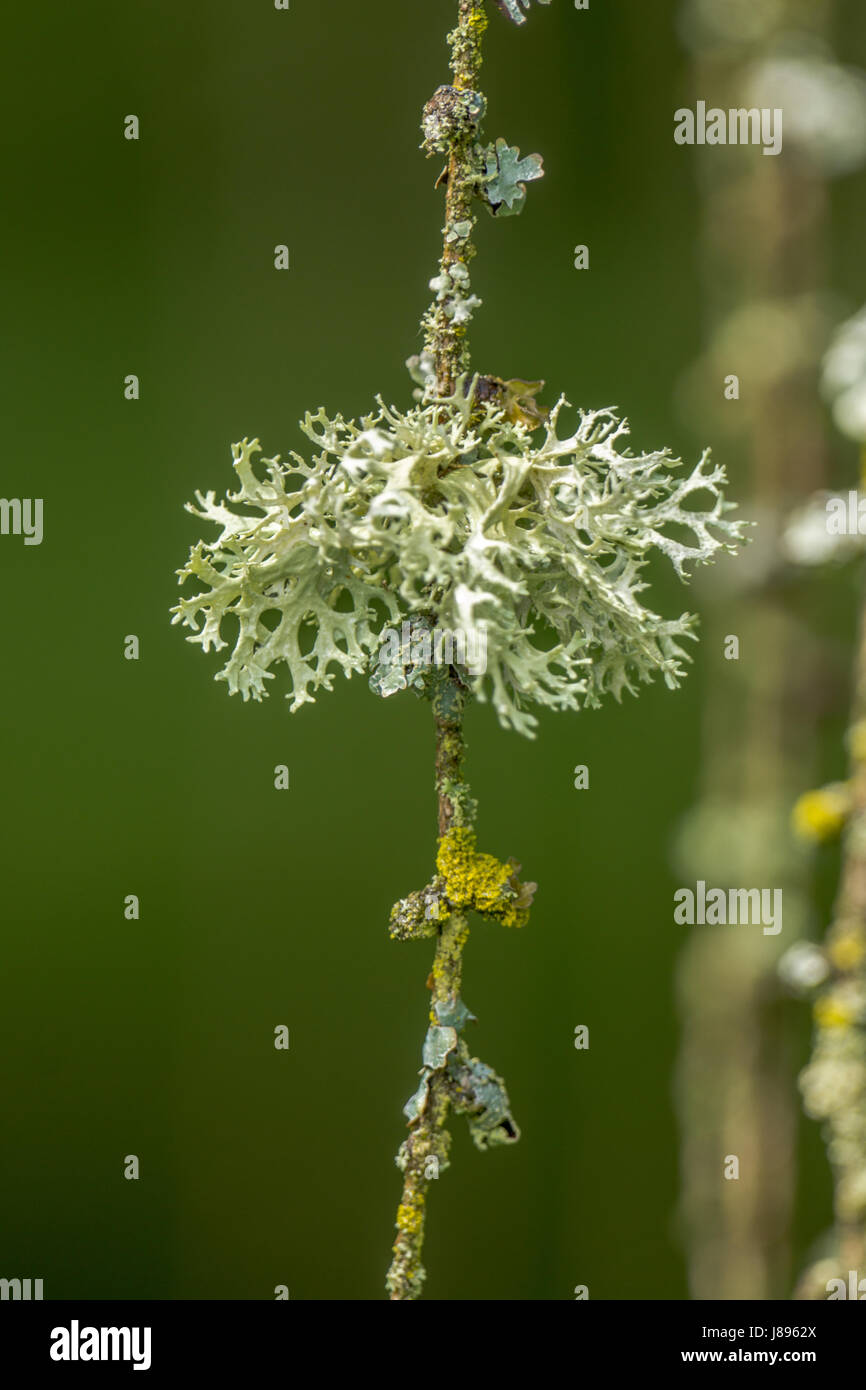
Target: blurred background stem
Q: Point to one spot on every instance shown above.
(763, 234)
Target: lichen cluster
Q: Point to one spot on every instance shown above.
(481, 882)
(531, 543)
(472, 1088)
(467, 880)
(834, 1083)
(833, 973)
(514, 8)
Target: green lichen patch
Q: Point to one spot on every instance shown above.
(419, 914)
(452, 115)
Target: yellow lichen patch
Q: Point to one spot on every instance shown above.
(831, 1013)
(477, 881)
(821, 814)
(847, 951)
(409, 1219)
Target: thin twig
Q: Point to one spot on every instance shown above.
(465, 879)
(446, 332)
(425, 1153)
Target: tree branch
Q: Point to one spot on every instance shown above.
(451, 1079)
(451, 121)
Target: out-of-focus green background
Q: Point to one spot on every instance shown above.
(261, 907)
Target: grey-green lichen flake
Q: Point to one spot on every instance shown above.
(481, 1095)
(453, 1013)
(404, 661)
(513, 9)
(506, 176)
(438, 1044)
(459, 231)
(416, 1103)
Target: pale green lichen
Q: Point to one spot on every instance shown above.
(531, 546)
(452, 114)
(407, 662)
(834, 1091)
(460, 798)
(514, 8)
(419, 914)
(454, 1013)
(480, 1094)
(506, 176)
